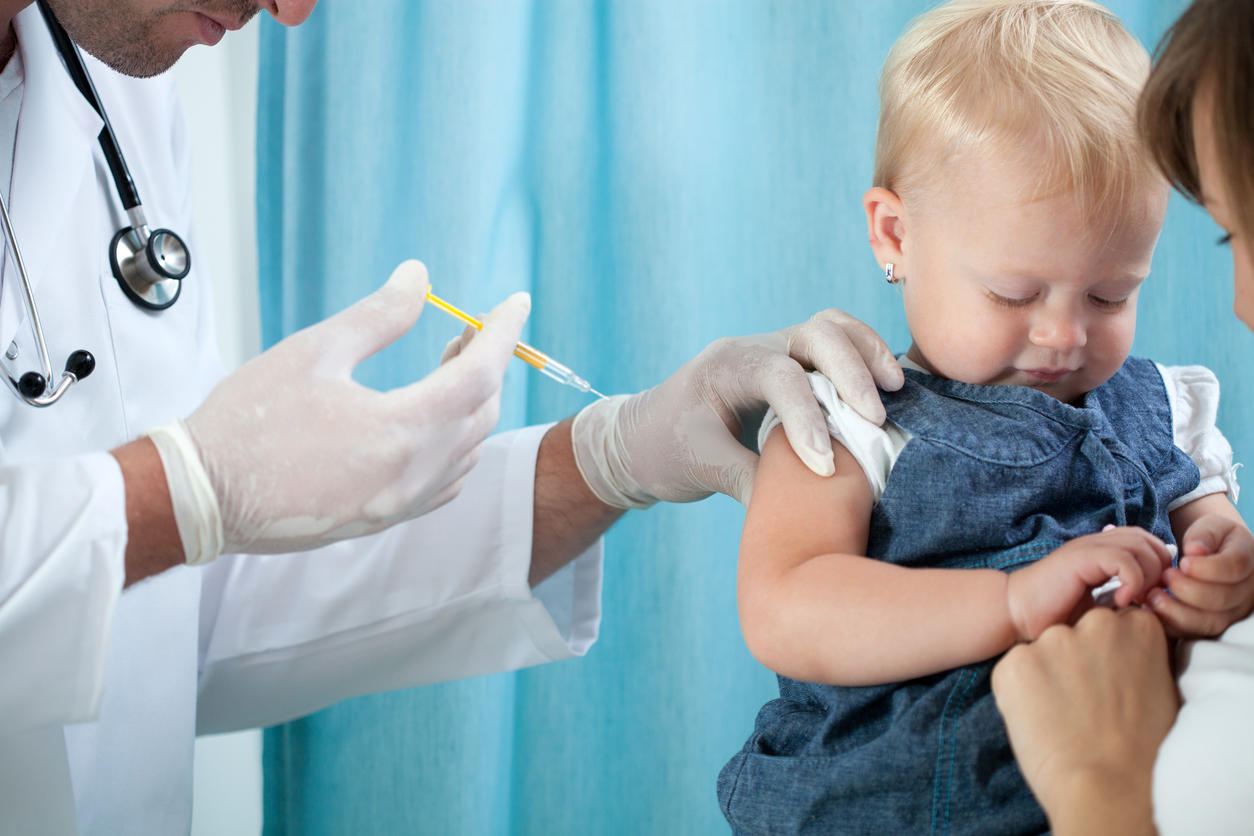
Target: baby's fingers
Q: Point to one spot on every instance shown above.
(1230, 567)
(1207, 535)
(1204, 595)
(1136, 572)
(1181, 619)
(1143, 561)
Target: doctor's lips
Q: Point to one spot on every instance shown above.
(212, 29)
(232, 18)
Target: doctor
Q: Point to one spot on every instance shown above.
(153, 460)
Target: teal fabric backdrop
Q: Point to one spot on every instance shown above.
(658, 173)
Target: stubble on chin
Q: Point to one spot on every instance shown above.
(133, 42)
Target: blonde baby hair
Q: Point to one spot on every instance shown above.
(1054, 82)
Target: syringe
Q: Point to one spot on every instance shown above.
(533, 357)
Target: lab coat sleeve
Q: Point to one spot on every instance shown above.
(62, 565)
(441, 597)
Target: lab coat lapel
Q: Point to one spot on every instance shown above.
(56, 138)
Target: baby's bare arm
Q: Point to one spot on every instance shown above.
(813, 607)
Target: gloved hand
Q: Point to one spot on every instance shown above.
(298, 454)
(680, 441)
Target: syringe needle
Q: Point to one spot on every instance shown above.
(537, 359)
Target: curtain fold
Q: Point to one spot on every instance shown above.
(657, 174)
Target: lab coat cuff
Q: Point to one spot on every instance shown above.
(570, 617)
(565, 617)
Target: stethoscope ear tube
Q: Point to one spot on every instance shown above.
(32, 387)
(149, 265)
(127, 192)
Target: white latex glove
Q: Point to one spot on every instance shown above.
(299, 455)
(680, 441)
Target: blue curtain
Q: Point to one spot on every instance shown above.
(657, 174)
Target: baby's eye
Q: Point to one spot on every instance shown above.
(1225, 240)
(1109, 304)
(1009, 301)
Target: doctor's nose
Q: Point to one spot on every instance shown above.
(1058, 332)
(290, 12)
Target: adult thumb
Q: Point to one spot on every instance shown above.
(736, 475)
(376, 321)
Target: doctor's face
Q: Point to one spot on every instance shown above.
(145, 37)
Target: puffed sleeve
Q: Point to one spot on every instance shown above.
(875, 448)
(1193, 392)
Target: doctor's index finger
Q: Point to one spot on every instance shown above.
(345, 339)
(851, 356)
(787, 390)
(880, 361)
(497, 339)
(475, 373)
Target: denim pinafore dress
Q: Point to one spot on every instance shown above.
(994, 477)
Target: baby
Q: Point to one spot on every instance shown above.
(1026, 460)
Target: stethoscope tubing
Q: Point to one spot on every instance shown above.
(149, 265)
(36, 325)
(127, 192)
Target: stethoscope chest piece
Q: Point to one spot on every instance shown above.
(149, 266)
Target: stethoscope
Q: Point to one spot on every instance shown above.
(149, 264)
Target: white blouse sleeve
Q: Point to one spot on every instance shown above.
(875, 448)
(1203, 771)
(1193, 393)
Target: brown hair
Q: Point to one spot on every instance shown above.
(1211, 44)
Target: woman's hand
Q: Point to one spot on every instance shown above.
(1086, 708)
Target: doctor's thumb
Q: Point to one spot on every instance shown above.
(376, 321)
(736, 477)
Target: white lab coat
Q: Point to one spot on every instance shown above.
(102, 691)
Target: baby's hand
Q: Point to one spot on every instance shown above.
(1214, 586)
(1055, 589)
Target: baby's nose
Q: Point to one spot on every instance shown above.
(1059, 332)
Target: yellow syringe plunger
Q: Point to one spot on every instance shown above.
(531, 356)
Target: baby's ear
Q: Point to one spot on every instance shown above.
(885, 225)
